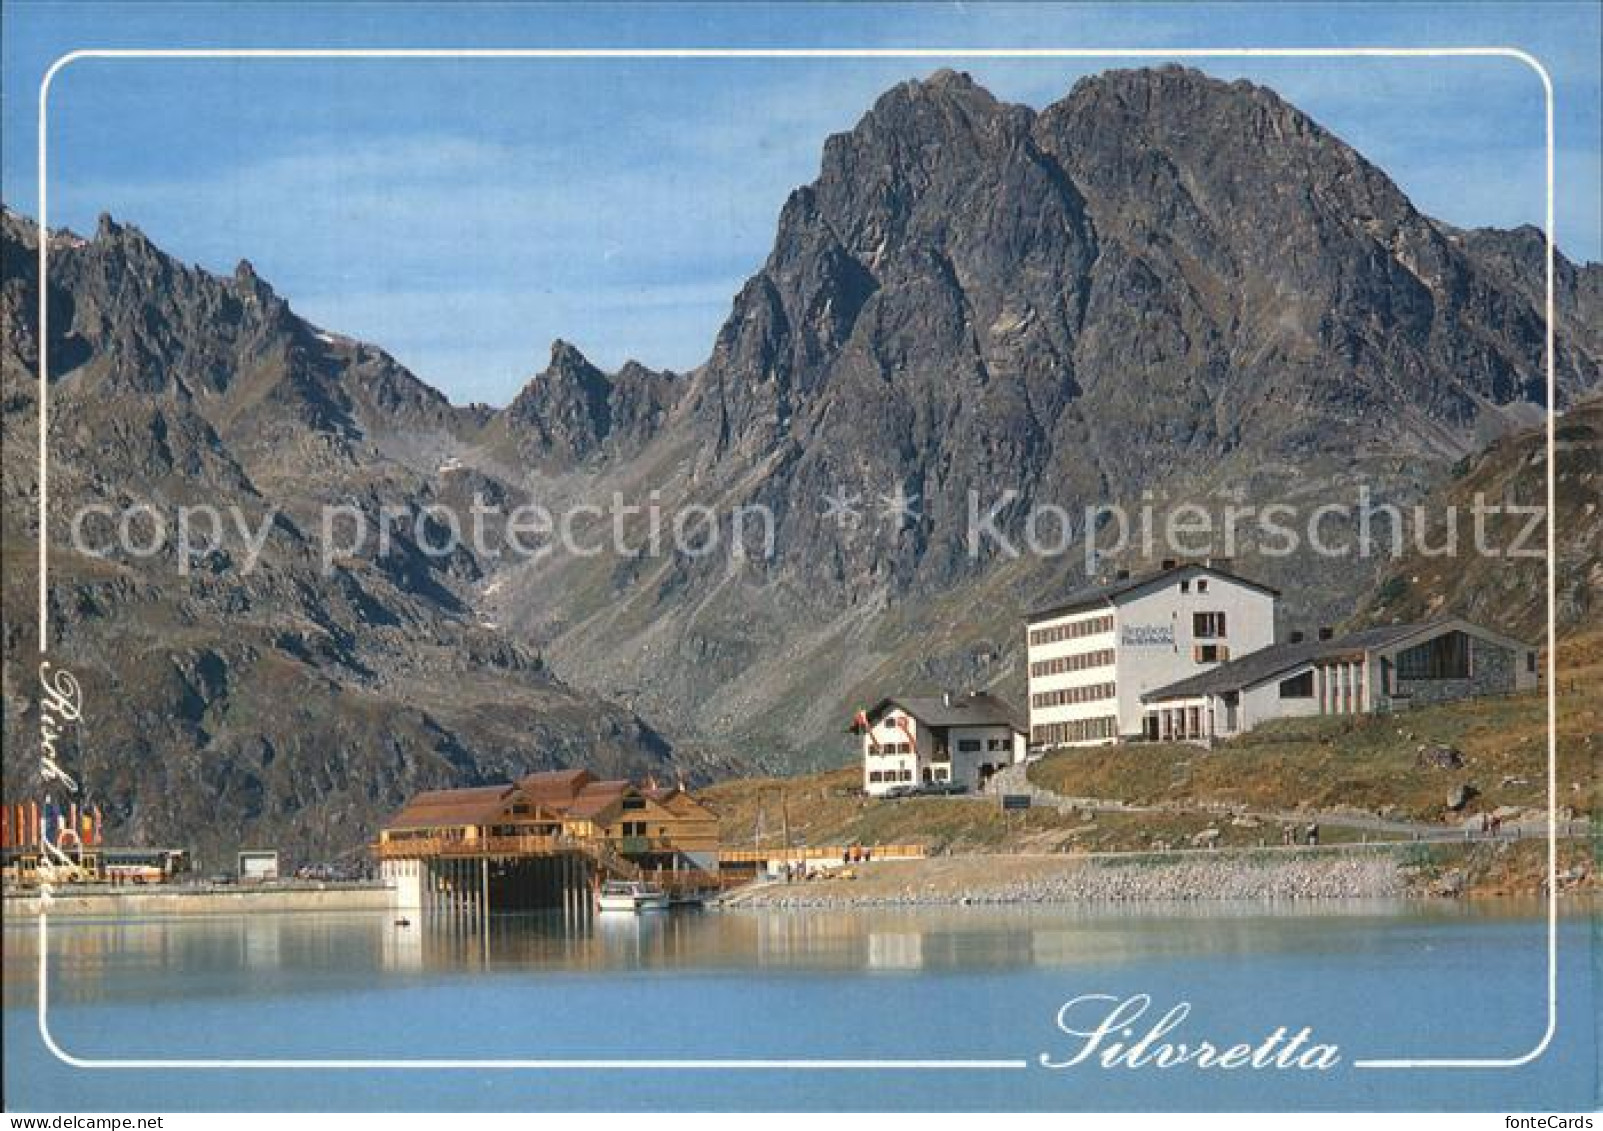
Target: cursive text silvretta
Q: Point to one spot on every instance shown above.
(1113, 1032)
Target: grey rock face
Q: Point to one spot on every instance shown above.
(573, 412)
(1161, 283)
(283, 704)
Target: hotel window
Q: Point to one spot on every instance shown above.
(1072, 631)
(1068, 696)
(1202, 585)
(1298, 686)
(1080, 661)
(969, 745)
(1530, 662)
(997, 744)
(1076, 730)
(1206, 626)
(1185, 586)
(1446, 657)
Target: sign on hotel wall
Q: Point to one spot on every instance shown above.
(1147, 635)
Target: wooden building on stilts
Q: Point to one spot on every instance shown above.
(544, 843)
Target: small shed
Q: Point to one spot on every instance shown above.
(258, 864)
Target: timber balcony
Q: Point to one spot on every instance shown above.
(411, 848)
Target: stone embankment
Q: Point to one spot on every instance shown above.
(202, 900)
(1036, 879)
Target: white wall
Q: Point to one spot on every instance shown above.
(1081, 645)
(405, 876)
(1165, 614)
(966, 766)
(886, 733)
(1262, 703)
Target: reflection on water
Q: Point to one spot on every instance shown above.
(1378, 979)
(286, 952)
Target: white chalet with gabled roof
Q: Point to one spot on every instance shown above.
(949, 740)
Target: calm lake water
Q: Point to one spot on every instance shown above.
(1377, 979)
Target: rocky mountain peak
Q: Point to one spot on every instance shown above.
(299, 701)
(128, 239)
(571, 410)
(946, 88)
(564, 412)
(568, 359)
(919, 126)
(1164, 284)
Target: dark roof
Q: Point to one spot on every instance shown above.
(452, 807)
(573, 793)
(553, 793)
(1255, 667)
(979, 709)
(555, 783)
(677, 799)
(1108, 592)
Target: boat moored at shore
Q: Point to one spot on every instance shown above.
(631, 896)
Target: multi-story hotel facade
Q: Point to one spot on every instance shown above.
(1095, 653)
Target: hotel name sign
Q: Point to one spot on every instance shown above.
(1147, 636)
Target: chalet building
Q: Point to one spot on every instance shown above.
(945, 740)
(1378, 669)
(546, 814)
(1094, 654)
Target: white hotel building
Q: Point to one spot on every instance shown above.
(1094, 654)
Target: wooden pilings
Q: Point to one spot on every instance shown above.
(463, 890)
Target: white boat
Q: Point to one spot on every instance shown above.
(630, 895)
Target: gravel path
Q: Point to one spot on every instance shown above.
(1015, 779)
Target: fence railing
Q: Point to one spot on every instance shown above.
(821, 852)
(615, 852)
(410, 847)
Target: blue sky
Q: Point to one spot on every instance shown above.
(462, 214)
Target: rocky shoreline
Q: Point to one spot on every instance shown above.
(987, 880)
